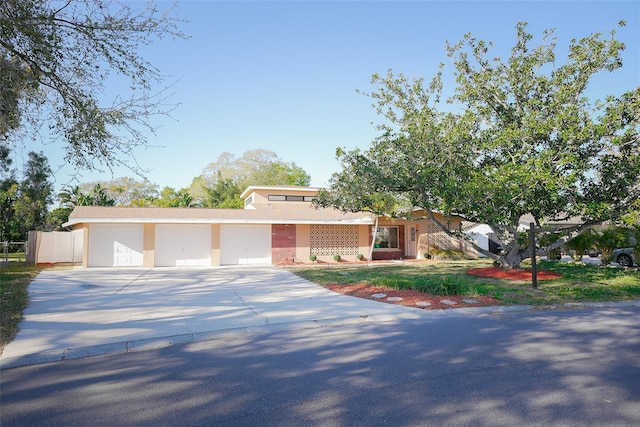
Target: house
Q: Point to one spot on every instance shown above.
(278, 224)
(484, 236)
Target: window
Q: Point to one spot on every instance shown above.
(386, 238)
(282, 198)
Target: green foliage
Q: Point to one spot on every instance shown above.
(579, 282)
(445, 254)
(393, 282)
(352, 190)
(225, 194)
(71, 197)
(8, 194)
(610, 238)
(171, 198)
(526, 140)
(313, 257)
(13, 299)
(124, 191)
(337, 257)
(581, 243)
(24, 203)
(56, 59)
(222, 181)
(442, 285)
(56, 218)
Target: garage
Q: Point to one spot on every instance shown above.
(183, 245)
(115, 245)
(245, 244)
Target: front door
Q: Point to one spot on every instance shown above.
(411, 241)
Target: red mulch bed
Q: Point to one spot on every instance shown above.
(410, 298)
(497, 273)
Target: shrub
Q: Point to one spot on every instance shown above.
(336, 257)
(554, 254)
(393, 282)
(312, 257)
(580, 244)
(445, 285)
(609, 239)
(437, 253)
(359, 257)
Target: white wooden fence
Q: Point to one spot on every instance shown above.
(55, 247)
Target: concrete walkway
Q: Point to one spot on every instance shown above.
(86, 312)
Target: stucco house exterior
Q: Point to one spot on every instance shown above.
(277, 225)
(483, 235)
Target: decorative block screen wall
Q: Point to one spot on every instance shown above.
(329, 240)
(438, 238)
(435, 237)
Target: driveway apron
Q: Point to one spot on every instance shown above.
(83, 312)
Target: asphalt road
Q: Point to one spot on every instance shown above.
(560, 368)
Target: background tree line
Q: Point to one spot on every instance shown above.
(26, 198)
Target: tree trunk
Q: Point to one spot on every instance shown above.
(512, 259)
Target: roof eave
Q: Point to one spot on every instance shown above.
(354, 221)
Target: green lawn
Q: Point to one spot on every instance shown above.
(14, 257)
(14, 297)
(579, 282)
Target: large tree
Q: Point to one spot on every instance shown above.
(8, 193)
(24, 204)
(228, 176)
(520, 136)
(172, 198)
(58, 60)
(94, 195)
(125, 191)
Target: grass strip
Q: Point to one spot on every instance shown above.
(579, 282)
(14, 297)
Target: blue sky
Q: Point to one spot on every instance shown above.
(283, 75)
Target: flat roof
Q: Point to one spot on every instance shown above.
(253, 188)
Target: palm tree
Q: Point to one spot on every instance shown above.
(580, 244)
(608, 239)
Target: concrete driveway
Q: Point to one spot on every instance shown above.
(84, 312)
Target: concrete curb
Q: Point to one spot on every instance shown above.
(189, 338)
(168, 341)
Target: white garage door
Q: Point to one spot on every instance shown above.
(183, 245)
(245, 244)
(115, 245)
